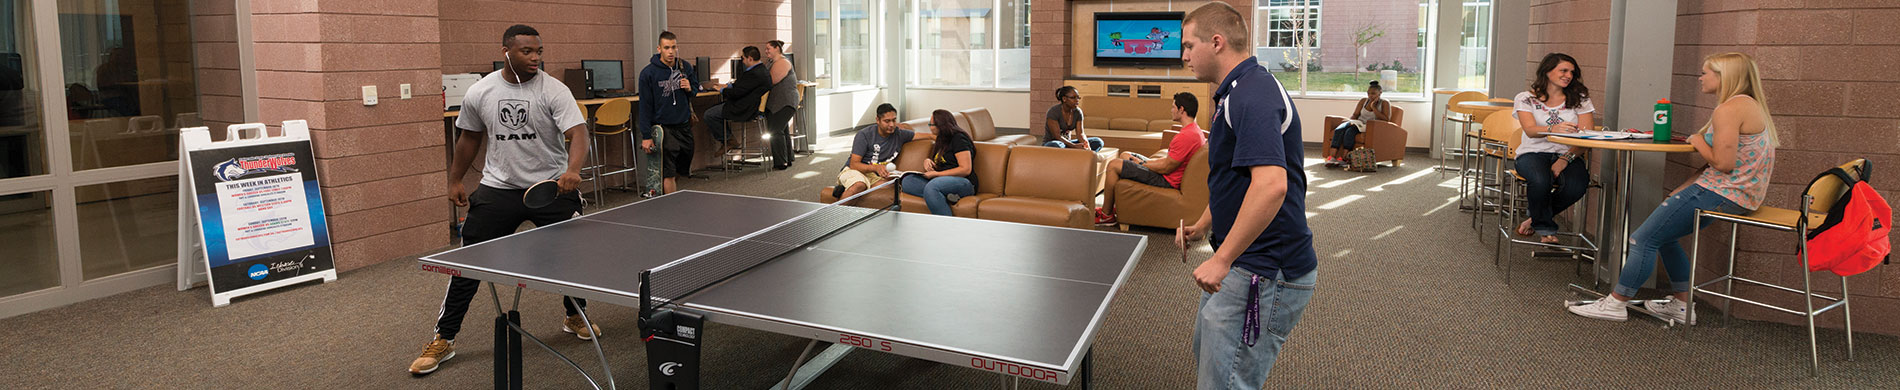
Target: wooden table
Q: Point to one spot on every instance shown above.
(1623, 150)
(1487, 105)
(1454, 91)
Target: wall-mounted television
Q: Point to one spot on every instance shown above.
(1138, 38)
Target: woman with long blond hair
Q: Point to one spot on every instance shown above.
(1738, 144)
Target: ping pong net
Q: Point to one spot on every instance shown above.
(672, 282)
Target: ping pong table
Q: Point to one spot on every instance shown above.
(1020, 300)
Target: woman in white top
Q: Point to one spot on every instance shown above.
(1345, 137)
(1557, 103)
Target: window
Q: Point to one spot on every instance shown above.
(1474, 49)
(857, 57)
(845, 43)
(1336, 47)
(969, 43)
(1289, 21)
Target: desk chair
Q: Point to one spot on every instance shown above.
(1461, 116)
(1515, 208)
(1815, 202)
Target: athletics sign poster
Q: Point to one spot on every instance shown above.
(259, 209)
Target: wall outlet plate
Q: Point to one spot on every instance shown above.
(405, 91)
(369, 95)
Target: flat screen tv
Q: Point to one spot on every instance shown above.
(1138, 38)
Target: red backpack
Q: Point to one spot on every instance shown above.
(1854, 237)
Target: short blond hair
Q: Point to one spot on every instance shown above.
(1219, 18)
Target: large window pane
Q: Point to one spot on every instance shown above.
(856, 42)
(1012, 58)
(128, 226)
(26, 231)
(22, 134)
(821, 43)
(128, 80)
(954, 43)
(1475, 45)
(1338, 46)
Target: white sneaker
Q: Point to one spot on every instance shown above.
(1672, 309)
(1608, 309)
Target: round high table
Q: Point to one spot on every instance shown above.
(1623, 150)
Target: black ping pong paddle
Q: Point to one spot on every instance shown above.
(541, 194)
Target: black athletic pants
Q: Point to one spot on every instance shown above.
(780, 125)
(493, 213)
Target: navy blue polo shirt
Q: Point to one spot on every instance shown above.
(1252, 128)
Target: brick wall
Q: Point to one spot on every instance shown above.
(1827, 70)
(571, 31)
(1825, 66)
(214, 44)
(382, 165)
(719, 29)
(1340, 19)
(1049, 53)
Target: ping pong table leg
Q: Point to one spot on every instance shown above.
(1088, 368)
(514, 351)
(501, 346)
(673, 340)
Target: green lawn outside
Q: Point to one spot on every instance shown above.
(1346, 82)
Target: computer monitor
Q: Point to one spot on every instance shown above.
(606, 75)
(703, 66)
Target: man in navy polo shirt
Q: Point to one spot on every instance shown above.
(1262, 274)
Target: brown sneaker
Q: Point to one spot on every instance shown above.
(433, 355)
(576, 326)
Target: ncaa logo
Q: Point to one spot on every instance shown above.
(258, 272)
(668, 367)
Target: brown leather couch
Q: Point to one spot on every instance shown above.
(1146, 205)
(1027, 184)
(1386, 138)
(982, 128)
(1045, 186)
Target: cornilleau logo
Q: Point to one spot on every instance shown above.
(258, 272)
(668, 367)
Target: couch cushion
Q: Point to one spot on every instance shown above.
(982, 126)
(1143, 142)
(1050, 173)
(920, 125)
(1161, 125)
(1134, 124)
(965, 207)
(877, 199)
(963, 122)
(991, 162)
(914, 155)
(1094, 122)
(1014, 139)
(1048, 212)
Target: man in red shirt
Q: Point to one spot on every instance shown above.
(1148, 169)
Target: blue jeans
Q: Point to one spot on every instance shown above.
(1657, 238)
(1095, 144)
(1550, 194)
(935, 191)
(1222, 360)
(1345, 137)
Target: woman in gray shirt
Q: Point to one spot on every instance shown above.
(1066, 118)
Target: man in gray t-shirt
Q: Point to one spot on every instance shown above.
(533, 131)
(875, 145)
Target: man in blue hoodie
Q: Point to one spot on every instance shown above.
(666, 116)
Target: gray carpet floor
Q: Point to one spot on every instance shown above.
(1408, 297)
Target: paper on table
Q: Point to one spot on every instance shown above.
(1605, 135)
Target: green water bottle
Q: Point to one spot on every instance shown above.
(1661, 120)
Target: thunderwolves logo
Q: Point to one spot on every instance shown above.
(238, 168)
(514, 113)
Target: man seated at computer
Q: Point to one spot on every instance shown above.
(742, 96)
(873, 149)
(1165, 168)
